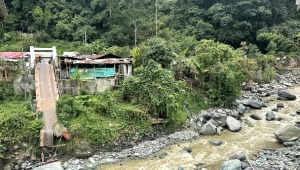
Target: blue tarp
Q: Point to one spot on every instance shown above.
(91, 73)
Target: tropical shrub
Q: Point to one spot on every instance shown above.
(156, 89)
(17, 125)
(221, 70)
(266, 71)
(156, 49)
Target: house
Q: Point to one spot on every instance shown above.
(95, 66)
(98, 72)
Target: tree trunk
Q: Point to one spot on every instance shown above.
(156, 9)
(135, 33)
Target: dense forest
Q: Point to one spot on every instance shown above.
(131, 22)
(187, 54)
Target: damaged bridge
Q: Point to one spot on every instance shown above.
(46, 97)
(47, 94)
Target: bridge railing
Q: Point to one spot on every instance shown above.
(56, 76)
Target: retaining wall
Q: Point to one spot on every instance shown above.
(73, 87)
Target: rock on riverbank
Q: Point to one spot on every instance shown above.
(287, 133)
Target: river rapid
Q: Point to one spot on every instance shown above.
(250, 140)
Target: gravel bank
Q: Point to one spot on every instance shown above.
(286, 158)
(142, 150)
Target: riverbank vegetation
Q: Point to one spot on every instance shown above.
(187, 54)
(101, 118)
(18, 126)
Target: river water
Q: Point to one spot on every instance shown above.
(250, 140)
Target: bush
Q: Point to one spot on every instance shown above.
(265, 76)
(41, 36)
(17, 125)
(6, 90)
(266, 72)
(68, 108)
(6, 86)
(156, 89)
(222, 71)
(156, 49)
(103, 117)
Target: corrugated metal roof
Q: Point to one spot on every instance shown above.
(11, 55)
(100, 61)
(16, 55)
(92, 56)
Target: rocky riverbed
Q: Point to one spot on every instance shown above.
(142, 150)
(213, 122)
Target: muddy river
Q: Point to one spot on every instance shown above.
(250, 140)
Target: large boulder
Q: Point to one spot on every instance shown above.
(255, 104)
(233, 124)
(238, 155)
(234, 113)
(209, 128)
(280, 105)
(286, 95)
(241, 108)
(255, 117)
(206, 115)
(270, 116)
(220, 119)
(286, 133)
(233, 164)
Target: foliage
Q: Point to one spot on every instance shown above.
(163, 59)
(119, 51)
(96, 47)
(12, 42)
(69, 108)
(277, 42)
(128, 23)
(17, 125)
(79, 74)
(221, 71)
(156, 89)
(105, 118)
(6, 90)
(156, 49)
(266, 71)
(6, 85)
